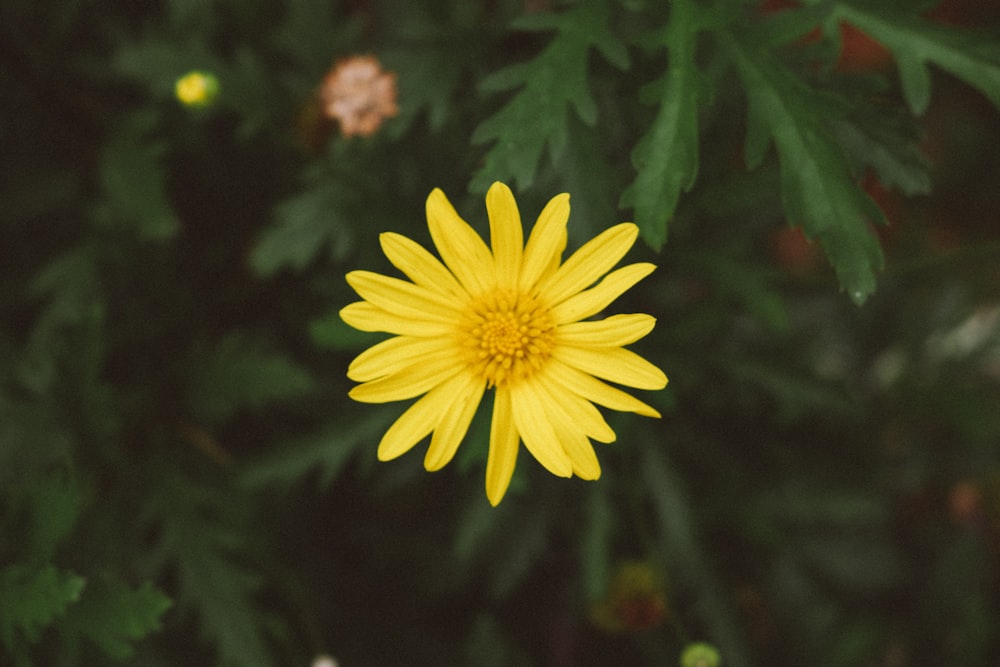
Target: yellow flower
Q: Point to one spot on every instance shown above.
(510, 320)
(196, 89)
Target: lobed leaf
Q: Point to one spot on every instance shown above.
(554, 81)
(818, 190)
(914, 42)
(666, 158)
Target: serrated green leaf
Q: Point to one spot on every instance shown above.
(535, 118)
(666, 158)
(915, 42)
(304, 226)
(242, 373)
(818, 191)
(31, 598)
(114, 616)
(889, 148)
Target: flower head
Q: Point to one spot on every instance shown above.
(197, 89)
(359, 95)
(508, 319)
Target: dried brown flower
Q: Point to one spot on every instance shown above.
(359, 94)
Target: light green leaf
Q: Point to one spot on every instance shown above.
(31, 598)
(666, 158)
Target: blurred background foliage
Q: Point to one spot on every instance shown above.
(183, 480)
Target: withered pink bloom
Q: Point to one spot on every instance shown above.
(359, 94)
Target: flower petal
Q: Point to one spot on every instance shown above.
(402, 297)
(545, 243)
(573, 440)
(415, 379)
(419, 264)
(595, 258)
(392, 355)
(613, 331)
(597, 298)
(588, 417)
(592, 389)
(365, 317)
(506, 235)
(616, 364)
(503, 447)
(418, 420)
(536, 431)
(461, 248)
(455, 423)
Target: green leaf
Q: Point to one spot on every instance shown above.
(972, 57)
(329, 451)
(889, 147)
(535, 118)
(666, 158)
(243, 373)
(132, 179)
(31, 598)
(113, 616)
(305, 225)
(203, 545)
(331, 332)
(818, 190)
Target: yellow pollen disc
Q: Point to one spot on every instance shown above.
(506, 337)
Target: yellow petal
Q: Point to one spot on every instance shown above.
(411, 381)
(585, 415)
(417, 421)
(616, 364)
(592, 389)
(595, 258)
(597, 298)
(402, 297)
(365, 317)
(419, 265)
(506, 235)
(392, 355)
(455, 422)
(503, 447)
(572, 439)
(536, 431)
(461, 248)
(545, 243)
(613, 331)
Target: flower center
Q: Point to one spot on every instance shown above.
(506, 336)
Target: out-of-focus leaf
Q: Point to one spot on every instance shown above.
(113, 615)
(31, 598)
(915, 42)
(328, 451)
(535, 118)
(331, 332)
(304, 226)
(666, 157)
(242, 373)
(132, 179)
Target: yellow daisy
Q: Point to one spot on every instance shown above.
(510, 320)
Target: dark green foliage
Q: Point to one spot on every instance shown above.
(184, 480)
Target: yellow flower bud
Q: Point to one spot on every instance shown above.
(197, 89)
